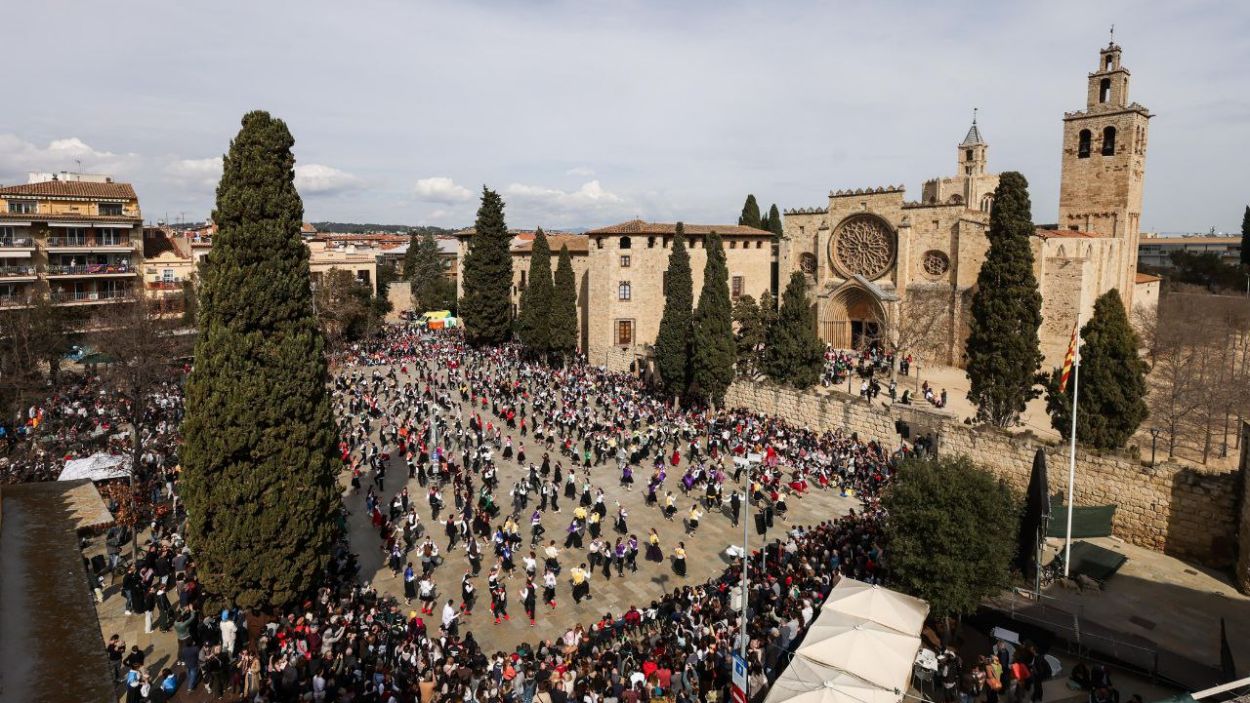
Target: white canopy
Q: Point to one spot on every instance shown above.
(807, 681)
(876, 653)
(895, 610)
(97, 467)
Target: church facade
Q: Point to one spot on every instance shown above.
(881, 267)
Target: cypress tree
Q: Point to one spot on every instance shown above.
(750, 213)
(712, 342)
(1003, 347)
(563, 323)
(259, 459)
(672, 342)
(794, 354)
(768, 311)
(750, 334)
(775, 222)
(534, 319)
(423, 267)
(1245, 238)
(1113, 380)
(487, 304)
(764, 223)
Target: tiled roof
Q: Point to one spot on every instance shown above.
(72, 217)
(307, 228)
(974, 136)
(1147, 278)
(73, 189)
(159, 240)
(1065, 234)
(641, 227)
(577, 243)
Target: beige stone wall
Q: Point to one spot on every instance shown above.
(1185, 512)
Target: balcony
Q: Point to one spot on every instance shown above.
(17, 273)
(165, 285)
(15, 300)
(16, 244)
(86, 297)
(112, 270)
(89, 244)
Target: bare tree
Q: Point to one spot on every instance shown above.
(920, 325)
(32, 339)
(342, 305)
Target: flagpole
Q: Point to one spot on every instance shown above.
(1076, 389)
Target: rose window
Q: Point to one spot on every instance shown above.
(864, 246)
(935, 263)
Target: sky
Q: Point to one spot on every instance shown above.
(583, 113)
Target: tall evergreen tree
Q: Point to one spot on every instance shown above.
(259, 459)
(768, 311)
(712, 350)
(534, 319)
(750, 334)
(423, 267)
(672, 342)
(487, 304)
(750, 213)
(1112, 383)
(764, 223)
(1245, 237)
(794, 354)
(1003, 349)
(563, 323)
(775, 223)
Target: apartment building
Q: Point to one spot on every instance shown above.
(1155, 251)
(73, 237)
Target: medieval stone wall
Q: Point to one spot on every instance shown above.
(1180, 510)
(1242, 574)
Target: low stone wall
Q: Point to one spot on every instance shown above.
(1180, 510)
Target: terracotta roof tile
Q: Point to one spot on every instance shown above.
(577, 243)
(1147, 278)
(1065, 234)
(73, 189)
(641, 227)
(73, 217)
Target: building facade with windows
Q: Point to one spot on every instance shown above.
(1154, 251)
(880, 266)
(74, 238)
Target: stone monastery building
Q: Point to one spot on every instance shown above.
(881, 267)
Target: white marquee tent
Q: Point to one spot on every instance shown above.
(97, 467)
(895, 610)
(806, 681)
(873, 652)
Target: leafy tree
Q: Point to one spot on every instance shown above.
(1206, 269)
(487, 307)
(672, 342)
(1003, 349)
(343, 307)
(768, 312)
(32, 337)
(750, 334)
(775, 223)
(534, 319)
(794, 354)
(423, 268)
(259, 458)
(381, 303)
(190, 301)
(750, 213)
(563, 323)
(712, 350)
(1112, 384)
(1245, 238)
(951, 533)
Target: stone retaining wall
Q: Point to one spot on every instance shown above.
(1183, 511)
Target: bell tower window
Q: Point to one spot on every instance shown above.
(1082, 147)
(1104, 88)
(1108, 141)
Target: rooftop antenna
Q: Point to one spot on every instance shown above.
(1113, 34)
(974, 115)
(79, 162)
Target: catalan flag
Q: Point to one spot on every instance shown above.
(1068, 360)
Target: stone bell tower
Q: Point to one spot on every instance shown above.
(1104, 161)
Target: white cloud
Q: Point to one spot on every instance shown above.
(19, 157)
(319, 179)
(591, 194)
(590, 204)
(441, 189)
(581, 172)
(196, 172)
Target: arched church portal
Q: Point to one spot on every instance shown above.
(851, 319)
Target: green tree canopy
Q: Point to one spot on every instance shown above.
(534, 319)
(672, 342)
(564, 306)
(428, 282)
(259, 461)
(775, 223)
(751, 214)
(1245, 237)
(951, 533)
(712, 350)
(1003, 349)
(1112, 383)
(487, 304)
(750, 334)
(794, 354)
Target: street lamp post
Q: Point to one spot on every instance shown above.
(1154, 438)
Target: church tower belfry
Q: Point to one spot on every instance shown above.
(1104, 161)
(973, 151)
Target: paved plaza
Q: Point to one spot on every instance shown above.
(705, 549)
